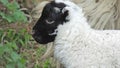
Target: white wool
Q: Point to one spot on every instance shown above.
(79, 46)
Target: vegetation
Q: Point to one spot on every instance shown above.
(17, 49)
(9, 48)
(13, 13)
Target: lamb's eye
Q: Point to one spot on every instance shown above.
(49, 22)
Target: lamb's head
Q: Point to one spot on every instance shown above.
(44, 30)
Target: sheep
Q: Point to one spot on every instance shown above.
(76, 44)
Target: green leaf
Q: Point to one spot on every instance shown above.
(9, 18)
(14, 45)
(8, 59)
(2, 14)
(16, 4)
(21, 41)
(1, 49)
(15, 56)
(10, 65)
(20, 65)
(13, 6)
(47, 64)
(23, 61)
(5, 2)
(19, 16)
(6, 17)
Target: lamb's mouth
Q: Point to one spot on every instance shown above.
(43, 39)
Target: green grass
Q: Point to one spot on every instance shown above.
(17, 50)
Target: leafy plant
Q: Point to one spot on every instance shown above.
(9, 47)
(13, 14)
(47, 64)
(10, 56)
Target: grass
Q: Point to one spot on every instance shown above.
(17, 47)
(18, 50)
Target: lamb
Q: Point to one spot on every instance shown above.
(77, 45)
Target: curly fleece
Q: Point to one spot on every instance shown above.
(77, 45)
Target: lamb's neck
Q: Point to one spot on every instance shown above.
(79, 26)
(75, 27)
(80, 22)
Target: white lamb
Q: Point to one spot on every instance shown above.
(77, 45)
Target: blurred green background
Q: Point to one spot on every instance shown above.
(17, 47)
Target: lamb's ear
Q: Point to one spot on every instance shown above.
(65, 13)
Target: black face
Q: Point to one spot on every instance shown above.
(52, 16)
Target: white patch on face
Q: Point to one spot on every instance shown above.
(58, 1)
(49, 22)
(54, 33)
(57, 10)
(69, 3)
